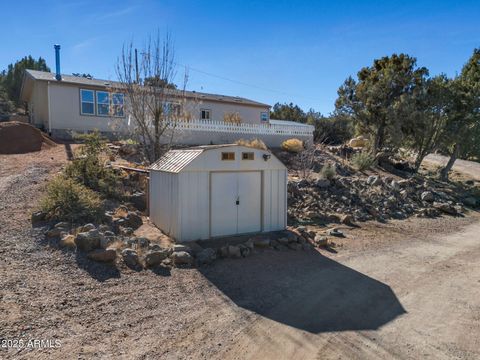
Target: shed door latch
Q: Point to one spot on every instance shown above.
(238, 201)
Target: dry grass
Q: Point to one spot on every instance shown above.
(254, 143)
(293, 145)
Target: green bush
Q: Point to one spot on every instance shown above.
(328, 171)
(67, 200)
(334, 130)
(88, 168)
(362, 161)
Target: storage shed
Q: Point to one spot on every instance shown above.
(217, 190)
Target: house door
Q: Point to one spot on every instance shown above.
(235, 203)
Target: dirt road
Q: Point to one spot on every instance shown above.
(417, 299)
(406, 289)
(470, 168)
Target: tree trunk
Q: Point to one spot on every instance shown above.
(419, 160)
(378, 139)
(444, 172)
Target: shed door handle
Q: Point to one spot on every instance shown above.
(238, 201)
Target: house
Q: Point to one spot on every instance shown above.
(217, 190)
(64, 105)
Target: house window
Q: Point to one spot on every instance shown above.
(228, 156)
(205, 114)
(118, 102)
(264, 116)
(248, 156)
(87, 102)
(103, 103)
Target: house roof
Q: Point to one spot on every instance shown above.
(78, 80)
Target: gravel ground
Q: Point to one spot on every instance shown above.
(387, 290)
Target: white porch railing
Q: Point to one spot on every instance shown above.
(243, 128)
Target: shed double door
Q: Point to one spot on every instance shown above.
(235, 199)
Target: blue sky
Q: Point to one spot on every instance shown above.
(274, 50)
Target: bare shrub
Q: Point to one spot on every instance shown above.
(254, 143)
(293, 145)
(232, 118)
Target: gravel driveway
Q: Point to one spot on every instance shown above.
(402, 290)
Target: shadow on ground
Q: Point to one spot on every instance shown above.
(305, 290)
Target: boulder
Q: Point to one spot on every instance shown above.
(206, 256)
(445, 208)
(139, 200)
(245, 250)
(86, 228)
(133, 220)
(470, 201)
(103, 255)
(347, 219)
(181, 258)
(88, 241)
(335, 232)
(106, 241)
(67, 241)
(55, 233)
(155, 257)
(261, 242)
(321, 240)
(130, 257)
(374, 180)
(223, 252)
(234, 252)
(323, 183)
(38, 217)
(427, 196)
(143, 242)
(181, 247)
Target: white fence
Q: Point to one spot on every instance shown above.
(201, 132)
(244, 128)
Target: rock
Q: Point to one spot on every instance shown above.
(155, 257)
(106, 241)
(321, 240)
(88, 241)
(103, 255)
(130, 257)
(133, 220)
(86, 228)
(62, 225)
(181, 258)
(427, 196)
(294, 246)
(206, 256)
(67, 241)
(470, 201)
(181, 247)
(126, 231)
(143, 242)
(302, 183)
(55, 233)
(374, 180)
(445, 208)
(108, 216)
(104, 228)
(261, 242)
(38, 217)
(283, 240)
(249, 244)
(394, 185)
(234, 252)
(224, 251)
(139, 200)
(245, 250)
(346, 219)
(335, 232)
(322, 183)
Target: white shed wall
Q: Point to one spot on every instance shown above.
(274, 200)
(163, 204)
(194, 205)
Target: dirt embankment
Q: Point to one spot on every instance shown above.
(20, 138)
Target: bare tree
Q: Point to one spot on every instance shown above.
(153, 102)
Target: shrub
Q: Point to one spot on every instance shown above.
(293, 145)
(328, 171)
(232, 118)
(362, 161)
(334, 130)
(67, 200)
(89, 170)
(254, 143)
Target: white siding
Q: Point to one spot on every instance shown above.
(274, 200)
(249, 114)
(194, 200)
(163, 193)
